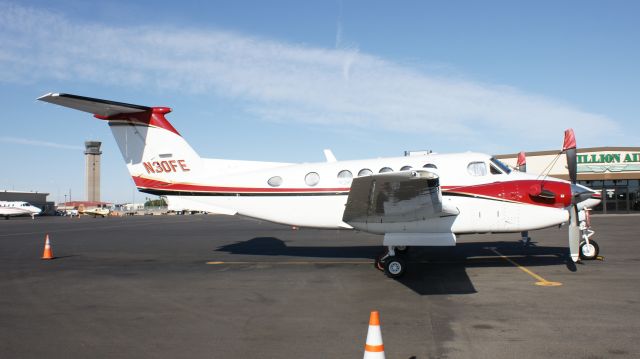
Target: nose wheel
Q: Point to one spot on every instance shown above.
(589, 250)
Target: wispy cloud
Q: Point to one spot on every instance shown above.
(280, 81)
(29, 142)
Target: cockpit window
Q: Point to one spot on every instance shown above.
(501, 165)
(477, 168)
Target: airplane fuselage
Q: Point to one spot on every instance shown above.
(489, 198)
(18, 208)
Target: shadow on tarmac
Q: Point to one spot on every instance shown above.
(430, 270)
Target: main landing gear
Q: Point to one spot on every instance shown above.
(391, 262)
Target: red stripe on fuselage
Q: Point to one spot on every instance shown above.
(187, 187)
(518, 191)
(509, 191)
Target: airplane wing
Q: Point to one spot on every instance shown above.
(399, 197)
(94, 106)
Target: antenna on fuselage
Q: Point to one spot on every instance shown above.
(329, 156)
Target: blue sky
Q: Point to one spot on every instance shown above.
(282, 80)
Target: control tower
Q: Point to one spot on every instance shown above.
(92, 170)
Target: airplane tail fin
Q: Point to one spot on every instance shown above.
(153, 149)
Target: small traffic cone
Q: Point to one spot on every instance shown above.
(48, 252)
(374, 349)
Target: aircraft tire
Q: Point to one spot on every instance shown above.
(595, 250)
(402, 249)
(394, 267)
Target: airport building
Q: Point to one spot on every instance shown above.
(92, 170)
(614, 171)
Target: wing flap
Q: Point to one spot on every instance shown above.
(103, 108)
(394, 198)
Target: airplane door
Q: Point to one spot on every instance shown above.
(510, 216)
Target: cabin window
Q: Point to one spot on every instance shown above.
(345, 177)
(494, 170)
(430, 165)
(364, 172)
(385, 169)
(477, 168)
(406, 168)
(312, 179)
(275, 181)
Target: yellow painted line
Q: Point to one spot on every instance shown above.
(288, 262)
(541, 281)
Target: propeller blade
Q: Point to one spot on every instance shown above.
(522, 162)
(574, 234)
(569, 148)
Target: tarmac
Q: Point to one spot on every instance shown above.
(230, 287)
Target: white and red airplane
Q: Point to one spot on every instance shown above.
(423, 200)
(18, 208)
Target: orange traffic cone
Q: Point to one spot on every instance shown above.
(48, 252)
(374, 349)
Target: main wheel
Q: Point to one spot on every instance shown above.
(589, 251)
(401, 249)
(394, 267)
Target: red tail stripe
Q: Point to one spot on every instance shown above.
(154, 118)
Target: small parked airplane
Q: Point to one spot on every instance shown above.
(422, 200)
(18, 208)
(95, 212)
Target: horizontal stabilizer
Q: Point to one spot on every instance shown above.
(104, 108)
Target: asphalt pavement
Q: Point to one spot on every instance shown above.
(231, 287)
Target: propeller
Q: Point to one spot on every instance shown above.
(569, 148)
(522, 162)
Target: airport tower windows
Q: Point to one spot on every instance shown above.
(364, 172)
(430, 165)
(385, 169)
(275, 181)
(477, 168)
(406, 168)
(312, 179)
(345, 177)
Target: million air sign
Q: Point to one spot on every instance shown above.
(608, 162)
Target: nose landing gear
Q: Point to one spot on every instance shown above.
(589, 248)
